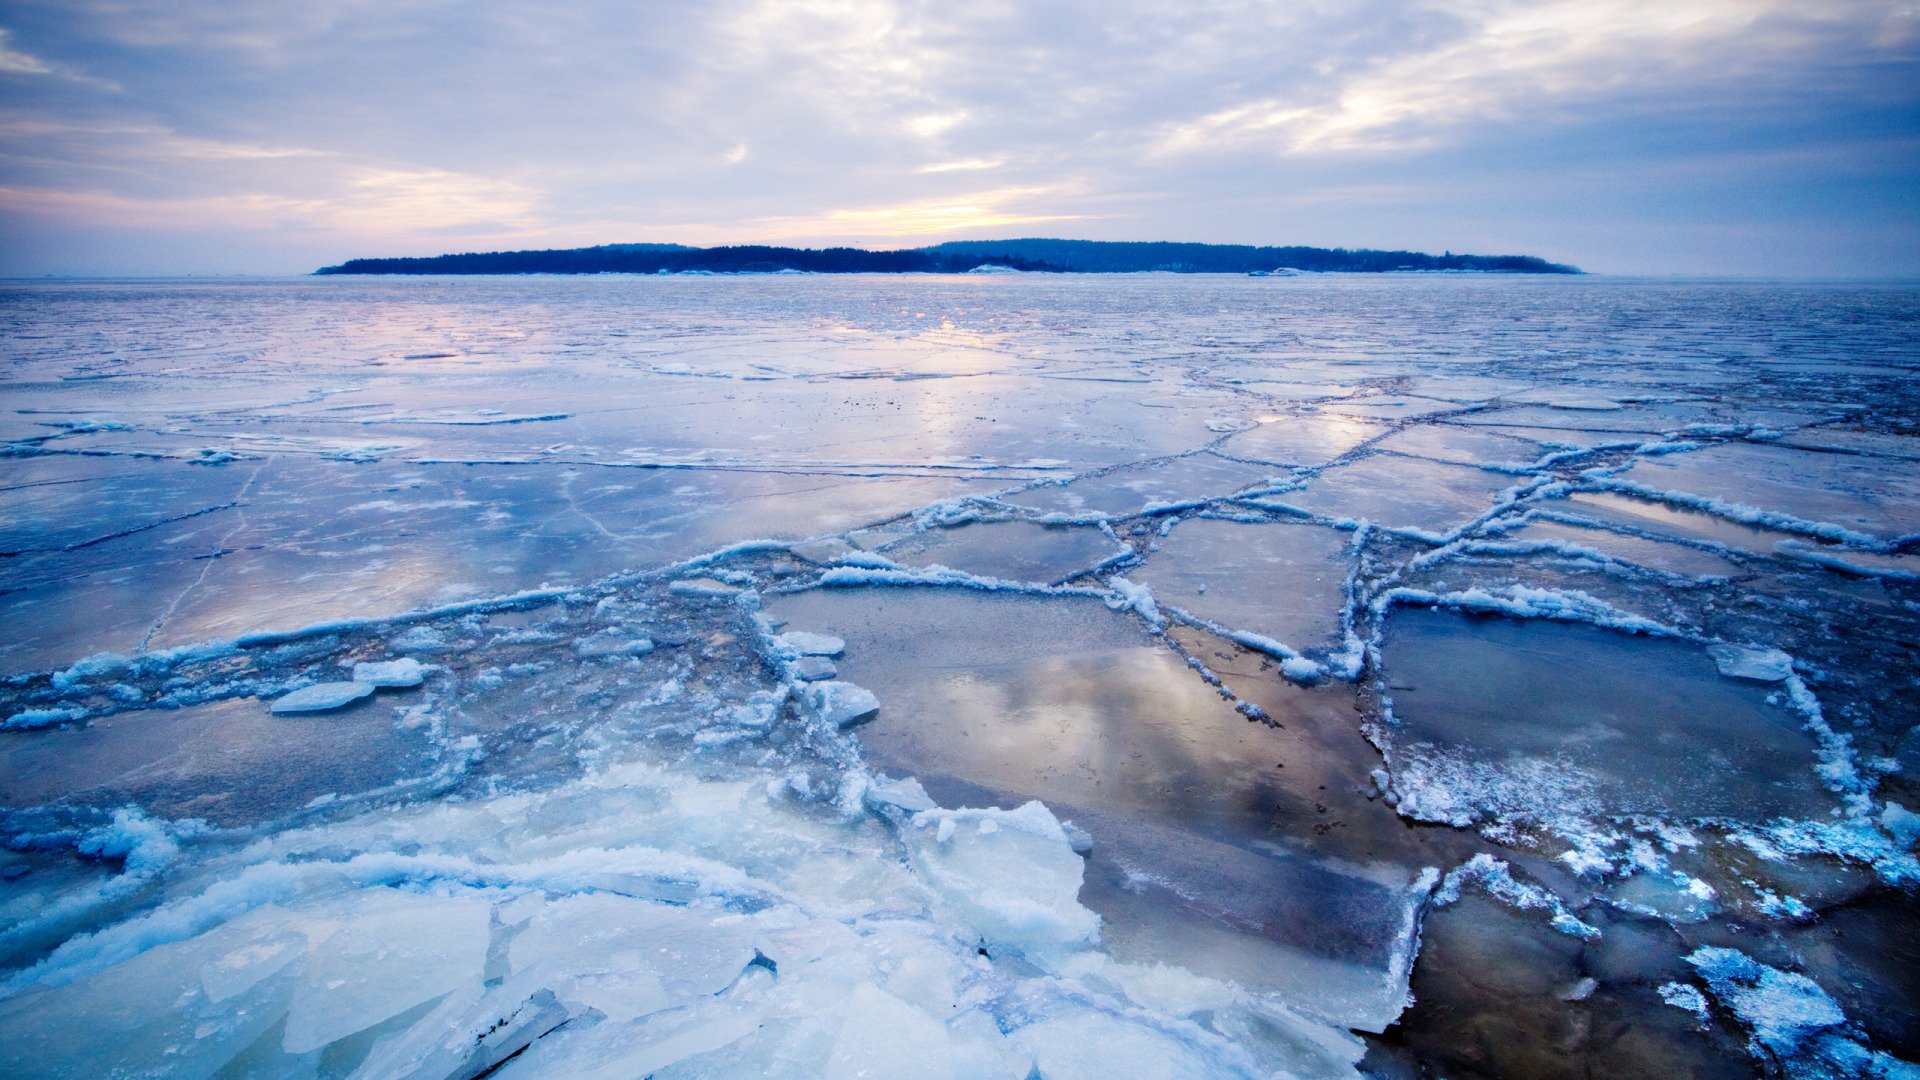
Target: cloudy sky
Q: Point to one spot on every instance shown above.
(1766, 137)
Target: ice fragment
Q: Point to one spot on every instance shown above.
(814, 669)
(842, 704)
(1752, 665)
(802, 643)
(395, 673)
(322, 697)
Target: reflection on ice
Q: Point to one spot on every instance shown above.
(1866, 496)
(1282, 582)
(1010, 550)
(226, 761)
(1497, 717)
(1064, 702)
(1400, 492)
(1135, 489)
(1311, 439)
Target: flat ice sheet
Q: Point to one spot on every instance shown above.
(1540, 719)
(1010, 550)
(1284, 581)
(1132, 490)
(1393, 491)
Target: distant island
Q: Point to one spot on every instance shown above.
(959, 256)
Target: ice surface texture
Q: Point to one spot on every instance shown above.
(1614, 579)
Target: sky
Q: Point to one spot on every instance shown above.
(1688, 137)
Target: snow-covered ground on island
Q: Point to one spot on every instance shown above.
(999, 676)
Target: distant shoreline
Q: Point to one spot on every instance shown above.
(963, 256)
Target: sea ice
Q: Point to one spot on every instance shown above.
(814, 669)
(802, 643)
(1753, 665)
(1533, 718)
(1279, 582)
(1311, 439)
(403, 672)
(640, 460)
(1434, 497)
(379, 958)
(532, 927)
(1161, 766)
(842, 704)
(322, 697)
(612, 643)
(1137, 489)
(1010, 550)
(1011, 875)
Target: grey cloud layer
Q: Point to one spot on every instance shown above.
(285, 135)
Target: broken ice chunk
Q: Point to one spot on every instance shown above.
(1752, 665)
(814, 669)
(704, 587)
(634, 956)
(802, 643)
(1675, 897)
(469, 1034)
(1012, 875)
(843, 704)
(420, 639)
(1682, 996)
(1780, 1008)
(1078, 838)
(603, 645)
(320, 697)
(905, 794)
(389, 952)
(394, 673)
(133, 1016)
(823, 552)
(882, 1037)
(1091, 1046)
(1301, 669)
(1900, 823)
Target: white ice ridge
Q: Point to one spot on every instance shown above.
(1799, 552)
(1496, 878)
(1135, 597)
(1790, 1020)
(1293, 664)
(1744, 514)
(852, 576)
(323, 697)
(1526, 601)
(640, 922)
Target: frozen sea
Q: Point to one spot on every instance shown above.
(1005, 676)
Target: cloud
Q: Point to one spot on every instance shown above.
(358, 200)
(935, 124)
(1510, 57)
(926, 217)
(15, 62)
(962, 165)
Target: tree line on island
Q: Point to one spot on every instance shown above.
(959, 256)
